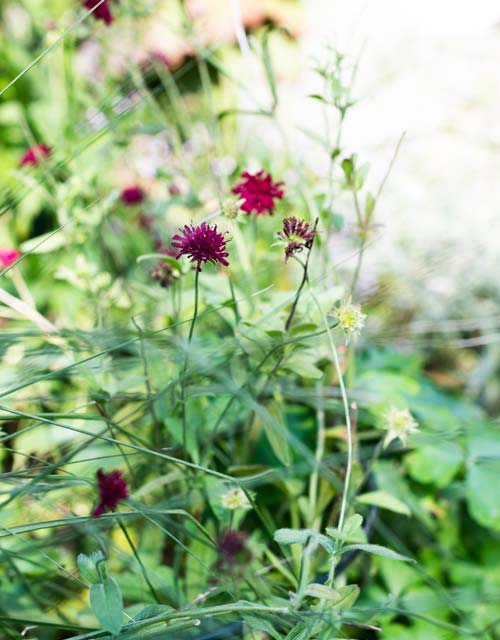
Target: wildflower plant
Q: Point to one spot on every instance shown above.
(263, 496)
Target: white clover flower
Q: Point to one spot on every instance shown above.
(351, 319)
(399, 423)
(235, 498)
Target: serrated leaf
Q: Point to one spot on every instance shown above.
(107, 604)
(378, 550)
(384, 500)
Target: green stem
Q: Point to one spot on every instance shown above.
(186, 360)
(137, 557)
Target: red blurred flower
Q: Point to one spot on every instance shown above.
(232, 548)
(112, 489)
(298, 234)
(8, 257)
(35, 155)
(132, 195)
(201, 243)
(258, 192)
(103, 11)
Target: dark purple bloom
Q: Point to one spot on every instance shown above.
(103, 11)
(258, 192)
(298, 234)
(202, 243)
(132, 196)
(232, 548)
(112, 489)
(35, 155)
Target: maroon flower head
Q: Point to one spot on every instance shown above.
(132, 196)
(103, 11)
(35, 155)
(258, 192)
(112, 489)
(8, 257)
(232, 548)
(298, 234)
(202, 243)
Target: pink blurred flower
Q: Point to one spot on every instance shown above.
(112, 489)
(103, 11)
(8, 257)
(35, 155)
(132, 195)
(258, 192)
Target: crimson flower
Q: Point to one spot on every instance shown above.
(35, 155)
(258, 192)
(103, 11)
(232, 548)
(112, 489)
(8, 257)
(202, 243)
(298, 234)
(132, 195)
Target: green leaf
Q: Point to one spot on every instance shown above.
(107, 604)
(435, 465)
(482, 494)
(151, 611)
(303, 364)
(261, 624)
(276, 433)
(351, 531)
(302, 536)
(321, 591)
(377, 550)
(338, 220)
(369, 204)
(348, 596)
(87, 566)
(384, 500)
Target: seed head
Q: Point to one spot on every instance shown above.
(399, 423)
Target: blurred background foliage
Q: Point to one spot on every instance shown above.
(165, 99)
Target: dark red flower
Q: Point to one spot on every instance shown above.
(201, 243)
(232, 548)
(258, 192)
(8, 257)
(35, 155)
(103, 11)
(132, 196)
(112, 489)
(298, 234)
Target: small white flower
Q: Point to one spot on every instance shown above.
(351, 319)
(399, 423)
(235, 498)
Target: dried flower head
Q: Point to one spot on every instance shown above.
(103, 11)
(258, 192)
(132, 196)
(34, 155)
(231, 208)
(298, 234)
(8, 257)
(351, 319)
(399, 423)
(112, 488)
(164, 271)
(201, 243)
(235, 498)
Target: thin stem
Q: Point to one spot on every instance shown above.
(195, 314)
(138, 558)
(345, 402)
